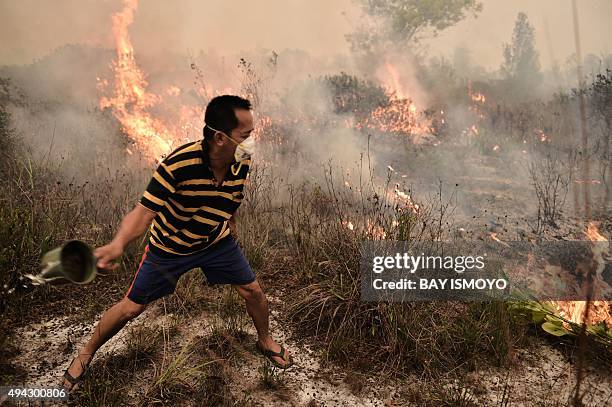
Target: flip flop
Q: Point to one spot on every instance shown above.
(270, 354)
(75, 380)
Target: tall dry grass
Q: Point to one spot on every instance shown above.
(319, 228)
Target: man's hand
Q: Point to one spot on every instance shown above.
(133, 225)
(106, 254)
(233, 228)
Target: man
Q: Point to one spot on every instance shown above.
(189, 206)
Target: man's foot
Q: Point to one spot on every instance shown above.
(76, 370)
(275, 352)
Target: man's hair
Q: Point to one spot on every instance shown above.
(221, 114)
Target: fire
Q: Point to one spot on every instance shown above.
(591, 181)
(592, 233)
(374, 231)
(599, 311)
(395, 85)
(405, 200)
(478, 101)
(542, 136)
(494, 237)
(262, 126)
(173, 90)
(478, 97)
(349, 225)
(400, 117)
(131, 102)
(471, 131)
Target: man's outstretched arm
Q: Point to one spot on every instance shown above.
(133, 225)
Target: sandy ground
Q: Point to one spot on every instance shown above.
(541, 374)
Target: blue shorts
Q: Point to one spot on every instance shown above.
(222, 263)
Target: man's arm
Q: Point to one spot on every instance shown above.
(133, 225)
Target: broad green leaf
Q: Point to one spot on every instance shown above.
(554, 329)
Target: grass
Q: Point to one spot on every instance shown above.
(231, 311)
(396, 338)
(108, 381)
(152, 370)
(269, 375)
(179, 378)
(190, 297)
(40, 211)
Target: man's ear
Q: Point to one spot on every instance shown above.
(218, 138)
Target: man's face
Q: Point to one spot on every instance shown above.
(238, 135)
(245, 126)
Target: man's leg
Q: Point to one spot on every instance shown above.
(111, 322)
(257, 307)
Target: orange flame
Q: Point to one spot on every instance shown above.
(349, 225)
(478, 97)
(131, 101)
(395, 80)
(599, 311)
(542, 136)
(400, 117)
(592, 233)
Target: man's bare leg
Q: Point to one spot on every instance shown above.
(111, 322)
(257, 307)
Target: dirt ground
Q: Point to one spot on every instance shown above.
(543, 375)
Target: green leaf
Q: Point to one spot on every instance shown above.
(537, 316)
(554, 329)
(553, 319)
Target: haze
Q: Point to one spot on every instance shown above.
(30, 29)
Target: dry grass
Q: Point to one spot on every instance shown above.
(325, 288)
(109, 379)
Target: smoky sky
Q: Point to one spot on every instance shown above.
(30, 29)
(551, 19)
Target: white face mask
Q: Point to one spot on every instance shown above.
(244, 150)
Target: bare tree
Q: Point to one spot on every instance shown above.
(551, 183)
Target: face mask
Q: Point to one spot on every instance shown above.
(244, 150)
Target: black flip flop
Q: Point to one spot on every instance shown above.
(75, 380)
(270, 354)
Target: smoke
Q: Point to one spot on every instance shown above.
(552, 20)
(55, 112)
(191, 50)
(320, 136)
(30, 29)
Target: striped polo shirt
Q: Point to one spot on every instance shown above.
(192, 212)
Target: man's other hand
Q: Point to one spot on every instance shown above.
(233, 228)
(106, 254)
